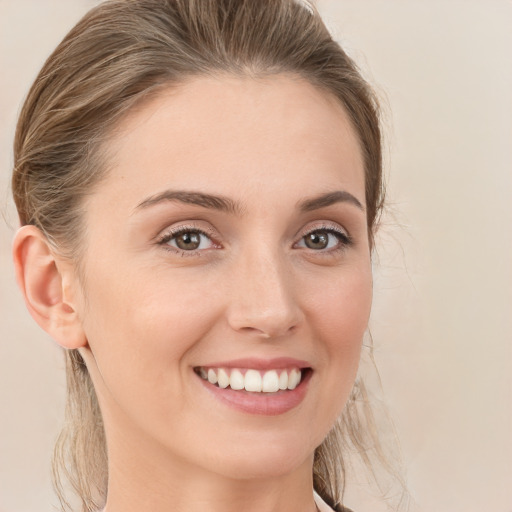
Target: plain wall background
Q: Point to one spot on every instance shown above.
(442, 318)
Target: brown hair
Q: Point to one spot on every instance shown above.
(118, 54)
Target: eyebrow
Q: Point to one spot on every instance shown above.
(221, 203)
(328, 199)
(225, 204)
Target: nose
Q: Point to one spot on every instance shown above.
(262, 298)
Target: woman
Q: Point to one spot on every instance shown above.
(199, 185)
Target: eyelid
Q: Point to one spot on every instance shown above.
(325, 225)
(167, 234)
(345, 239)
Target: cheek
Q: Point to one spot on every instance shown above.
(142, 310)
(140, 331)
(340, 309)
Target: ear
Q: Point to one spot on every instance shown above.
(48, 286)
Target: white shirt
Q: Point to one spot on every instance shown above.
(320, 503)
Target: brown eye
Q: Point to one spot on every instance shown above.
(188, 241)
(326, 240)
(317, 240)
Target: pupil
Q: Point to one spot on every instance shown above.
(188, 241)
(318, 240)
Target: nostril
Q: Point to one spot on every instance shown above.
(268, 333)
(256, 331)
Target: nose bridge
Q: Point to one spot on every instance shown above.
(263, 298)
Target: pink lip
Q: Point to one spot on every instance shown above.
(277, 363)
(269, 404)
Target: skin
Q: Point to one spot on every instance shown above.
(144, 315)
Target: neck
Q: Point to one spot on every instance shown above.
(144, 477)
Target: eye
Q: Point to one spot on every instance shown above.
(187, 240)
(325, 239)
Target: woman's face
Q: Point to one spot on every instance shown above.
(228, 241)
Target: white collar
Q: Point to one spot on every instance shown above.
(320, 503)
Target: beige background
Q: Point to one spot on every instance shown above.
(442, 320)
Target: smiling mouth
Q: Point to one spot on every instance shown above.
(254, 381)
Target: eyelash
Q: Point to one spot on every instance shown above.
(173, 233)
(344, 239)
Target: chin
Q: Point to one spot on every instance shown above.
(263, 468)
(264, 458)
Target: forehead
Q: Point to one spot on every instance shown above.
(226, 132)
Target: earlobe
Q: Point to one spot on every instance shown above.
(42, 283)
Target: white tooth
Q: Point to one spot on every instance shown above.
(212, 376)
(270, 382)
(293, 379)
(236, 380)
(283, 380)
(203, 373)
(252, 381)
(299, 377)
(223, 378)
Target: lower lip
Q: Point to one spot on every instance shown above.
(269, 404)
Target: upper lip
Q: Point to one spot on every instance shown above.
(257, 363)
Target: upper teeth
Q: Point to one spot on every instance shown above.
(252, 380)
